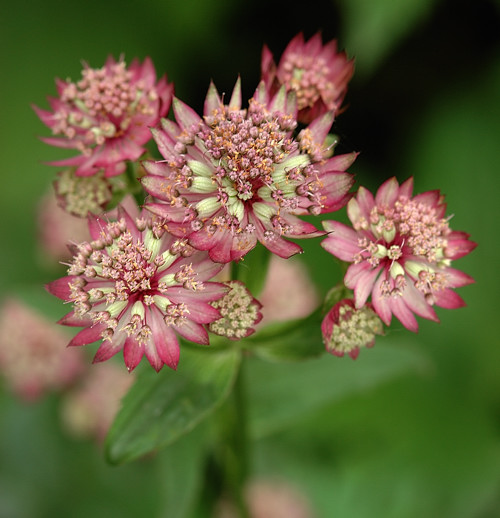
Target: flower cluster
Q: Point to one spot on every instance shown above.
(242, 174)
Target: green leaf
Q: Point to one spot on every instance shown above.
(160, 408)
(289, 341)
(181, 473)
(281, 394)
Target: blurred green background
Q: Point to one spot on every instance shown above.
(424, 101)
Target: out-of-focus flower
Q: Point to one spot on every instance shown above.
(79, 195)
(401, 248)
(346, 329)
(33, 354)
(237, 176)
(270, 499)
(56, 228)
(89, 409)
(137, 287)
(288, 292)
(317, 73)
(239, 311)
(106, 115)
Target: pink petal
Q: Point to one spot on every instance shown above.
(60, 287)
(166, 343)
(403, 314)
(132, 353)
(342, 242)
(193, 332)
(184, 115)
(381, 303)
(88, 335)
(448, 299)
(364, 286)
(388, 193)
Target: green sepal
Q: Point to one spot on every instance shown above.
(162, 407)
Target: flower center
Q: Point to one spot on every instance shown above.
(247, 146)
(101, 104)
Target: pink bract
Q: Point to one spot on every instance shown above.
(106, 115)
(401, 248)
(137, 288)
(317, 73)
(238, 176)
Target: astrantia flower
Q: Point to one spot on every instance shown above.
(33, 357)
(239, 311)
(237, 176)
(317, 73)
(106, 115)
(346, 329)
(402, 248)
(137, 287)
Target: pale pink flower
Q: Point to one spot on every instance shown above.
(289, 291)
(237, 176)
(106, 115)
(346, 329)
(56, 228)
(270, 499)
(33, 355)
(239, 311)
(317, 73)
(90, 408)
(401, 248)
(137, 287)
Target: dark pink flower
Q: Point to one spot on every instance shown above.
(317, 73)
(346, 329)
(237, 176)
(401, 248)
(106, 115)
(137, 287)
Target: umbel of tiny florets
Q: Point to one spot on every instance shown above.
(80, 195)
(317, 73)
(346, 329)
(401, 248)
(136, 287)
(238, 176)
(239, 311)
(106, 115)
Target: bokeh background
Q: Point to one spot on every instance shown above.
(424, 101)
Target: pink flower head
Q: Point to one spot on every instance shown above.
(106, 115)
(401, 248)
(237, 176)
(317, 73)
(239, 311)
(33, 357)
(346, 329)
(137, 287)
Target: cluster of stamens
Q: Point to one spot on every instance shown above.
(239, 312)
(101, 105)
(82, 194)
(355, 328)
(308, 76)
